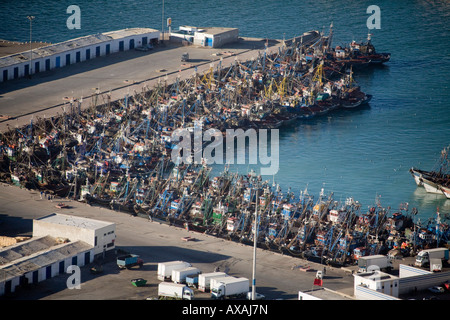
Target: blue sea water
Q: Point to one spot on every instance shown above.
(361, 153)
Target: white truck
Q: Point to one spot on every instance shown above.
(179, 275)
(175, 291)
(204, 280)
(229, 287)
(424, 257)
(165, 268)
(374, 262)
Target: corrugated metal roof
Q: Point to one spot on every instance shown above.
(71, 44)
(25, 248)
(38, 260)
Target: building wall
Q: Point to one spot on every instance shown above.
(412, 278)
(42, 228)
(105, 239)
(376, 283)
(101, 238)
(226, 37)
(114, 47)
(364, 293)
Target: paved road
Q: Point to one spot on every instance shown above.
(277, 277)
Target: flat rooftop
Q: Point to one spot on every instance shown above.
(376, 275)
(326, 294)
(74, 221)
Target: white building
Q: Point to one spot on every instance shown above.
(213, 37)
(99, 234)
(74, 51)
(375, 285)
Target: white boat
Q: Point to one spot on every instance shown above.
(445, 190)
(417, 177)
(430, 186)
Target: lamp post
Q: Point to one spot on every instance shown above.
(31, 18)
(255, 238)
(162, 21)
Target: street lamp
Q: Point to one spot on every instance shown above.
(255, 239)
(31, 18)
(162, 23)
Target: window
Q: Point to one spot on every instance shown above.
(95, 241)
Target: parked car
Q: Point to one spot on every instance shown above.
(436, 289)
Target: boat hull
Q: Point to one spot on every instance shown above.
(445, 190)
(431, 187)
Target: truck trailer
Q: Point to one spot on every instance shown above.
(165, 268)
(129, 260)
(204, 280)
(179, 275)
(424, 257)
(175, 291)
(374, 262)
(229, 288)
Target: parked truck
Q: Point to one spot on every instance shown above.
(204, 280)
(179, 275)
(129, 260)
(165, 268)
(229, 288)
(192, 281)
(175, 291)
(424, 257)
(374, 262)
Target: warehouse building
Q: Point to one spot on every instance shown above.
(99, 234)
(58, 241)
(213, 37)
(73, 51)
(38, 259)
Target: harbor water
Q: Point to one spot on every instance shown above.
(364, 153)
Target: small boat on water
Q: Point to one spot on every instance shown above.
(359, 55)
(436, 181)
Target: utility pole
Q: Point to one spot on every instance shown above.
(31, 18)
(255, 238)
(162, 21)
